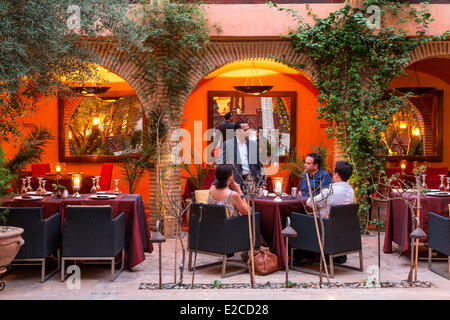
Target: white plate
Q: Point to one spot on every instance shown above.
(32, 198)
(103, 196)
(33, 193)
(438, 194)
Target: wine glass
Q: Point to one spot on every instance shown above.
(116, 190)
(43, 186)
(448, 184)
(29, 188)
(94, 188)
(424, 185)
(23, 190)
(39, 189)
(98, 182)
(442, 185)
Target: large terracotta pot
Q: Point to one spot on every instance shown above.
(10, 243)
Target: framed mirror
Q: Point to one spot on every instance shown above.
(95, 128)
(416, 131)
(270, 110)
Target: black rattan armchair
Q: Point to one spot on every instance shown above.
(90, 233)
(212, 233)
(342, 235)
(42, 237)
(439, 240)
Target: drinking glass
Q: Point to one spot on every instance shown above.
(98, 183)
(29, 188)
(424, 185)
(442, 185)
(94, 187)
(39, 189)
(116, 190)
(448, 184)
(23, 190)
(44, 191)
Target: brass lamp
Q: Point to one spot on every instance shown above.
(77, 180)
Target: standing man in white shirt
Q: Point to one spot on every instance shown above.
(243, 154)
(338, 193)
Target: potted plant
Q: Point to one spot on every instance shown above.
(10, 237)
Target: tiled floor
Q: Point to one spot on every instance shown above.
(23, 283)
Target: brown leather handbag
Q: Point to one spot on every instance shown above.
(265, 261)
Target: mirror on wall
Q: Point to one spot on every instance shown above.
(94, 128)
(415, 133)
(271, 110)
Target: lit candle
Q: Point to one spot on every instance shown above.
(58, 169)
(403, 166)
(76, 183)
(277, 186)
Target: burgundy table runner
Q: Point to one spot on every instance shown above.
(137, 232)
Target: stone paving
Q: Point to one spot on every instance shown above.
(23, 282)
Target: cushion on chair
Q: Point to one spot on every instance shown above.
(39, 169)
(201, 196)
(105, 176)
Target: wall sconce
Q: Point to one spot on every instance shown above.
(96, 121)
(402, 124)
(416, 131)
(70, 135)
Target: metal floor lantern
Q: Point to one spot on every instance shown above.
(288, 232)
(158, 238)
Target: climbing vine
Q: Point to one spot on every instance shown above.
(354, 63)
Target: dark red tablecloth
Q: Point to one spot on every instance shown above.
(137, 231)
(273, 220)
(399, 224)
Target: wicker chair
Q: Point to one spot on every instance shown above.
(41, 236)
(212, 233)
(90, 233)
(342, 235)
(439, 240)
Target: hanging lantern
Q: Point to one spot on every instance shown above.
(252, 89)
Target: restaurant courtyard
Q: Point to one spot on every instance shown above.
(302, 148)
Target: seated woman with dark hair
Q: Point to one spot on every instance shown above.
(226, 192)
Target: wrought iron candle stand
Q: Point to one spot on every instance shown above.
(288, 232)
(158, 238)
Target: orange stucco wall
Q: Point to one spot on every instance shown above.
(47, 114)
(309, 131)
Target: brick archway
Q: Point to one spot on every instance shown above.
(432, 49)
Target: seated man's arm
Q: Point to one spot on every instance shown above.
(319, 199)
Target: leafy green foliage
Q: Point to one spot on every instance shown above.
(165, 44)
(30, 150)
(354, 66)
(40, 55)
(5, 175)
(293, 164)
(141, 151)
(321, 150)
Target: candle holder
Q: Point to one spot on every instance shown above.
(77, 179)
(278, 188)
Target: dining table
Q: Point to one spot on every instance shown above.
(273, 216)
(137, 232)
(399, 219)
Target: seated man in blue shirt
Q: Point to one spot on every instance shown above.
(318, 178)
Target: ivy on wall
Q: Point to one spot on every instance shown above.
(354, 63)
